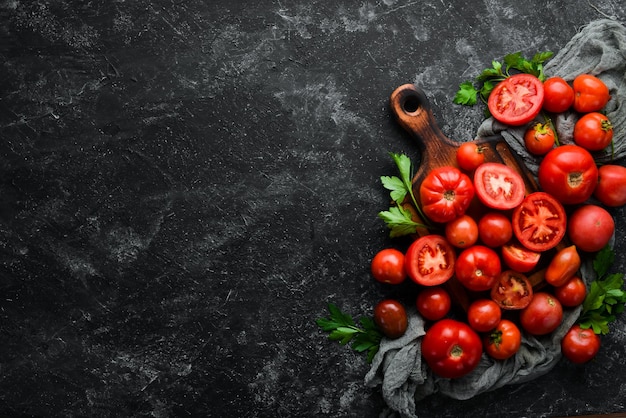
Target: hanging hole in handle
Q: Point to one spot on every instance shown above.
(411, 104)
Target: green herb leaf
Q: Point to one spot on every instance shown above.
(466, 95)
(399, 221)
(396, 186)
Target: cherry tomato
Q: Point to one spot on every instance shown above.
(519, 258)
(580, 345)
(543, 315)
(558, 95)
(572, 293)
(433, 303)
(429, 261)
(611, 187)
(498, 186)
(539, 138)
(478, 267)
(539, 222)
(391, 318)
(590, 93)
(469, 156)
(388, 266)
(569, 173)
(504, 341)
(590, 227)
(593, 131)
(462, 232)
(563, 266)
(512, 291)
(483, 315)
(516, 100)
(495, 229)
(451, 348)
(445, 194)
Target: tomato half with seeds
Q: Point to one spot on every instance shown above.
(519, 258)
(516, 100)
(445, 194)
(512, 291)
(539, 222)
(478, 268)
(504, 341)
(498, 186)
(429, 260)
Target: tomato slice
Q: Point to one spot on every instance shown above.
(430, 260)
(539, 222)
(498, 186)
(517, 99)
(512, 290)
(519, 258)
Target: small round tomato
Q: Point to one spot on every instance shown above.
(516, 100)
(498, 186)
(469, 156)
(563, 266)
(478, 267)
(429, 260)
(539, 138)
(445, 194)
(451, 348)
(572, 293)
(519, 258)
(433, 303)
(580, 345)
(512, 291)
(391, 318)
(495, 229)
(590, 93)
(558, 95)
(539, 222)
(504, 341)
(611, 187)
(593, 131)
(388, 266)
(462, 232)
(590, 227)
(569, 173)
(543, 315)
(483, 315)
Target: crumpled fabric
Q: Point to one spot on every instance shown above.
(598, 49)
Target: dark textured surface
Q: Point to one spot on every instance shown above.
(185, 184)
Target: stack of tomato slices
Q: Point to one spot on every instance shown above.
(514, 253)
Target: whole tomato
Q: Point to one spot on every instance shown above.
(569, 173)
(388, 266)
(495, 229)
(611, 187)
(593, 131)
(429, 261)
(478, 268)
(504, 341)
(469, 155)
(543, 315)
(483, 315)
(445, 194)
(539, 138)
(563, 266)
(391, 318)
(590, 227)
(558, 95)
(590, 93)
(572, 293)
(462, 232)
(433, 303)
(580, 345)
(451, 348)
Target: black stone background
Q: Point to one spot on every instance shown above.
(185, 184)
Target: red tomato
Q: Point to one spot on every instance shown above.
(478, 267)
(512, 291)
(390, 316)
(563, 266)
(611, 187)
(516, 100)
(543, 315)
(539, 138)
(572, 293)
(539, 222)
(580, 345)
(569, 173)
(433, 303)
(593, 131)
(498, 186)
(483, 315)
(590, 227)
(451, 348)
(590, 93)
(388, 266)
(519, 258)
(558, 95)
(462, 232)
(495, 229)
(469, 156)
(504, 341)
(429, 261)
(445, 194)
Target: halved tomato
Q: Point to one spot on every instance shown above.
(517, 99)
(512, 290)
(539, 222)
(498, 186)
(430, 260)
(519, 258)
